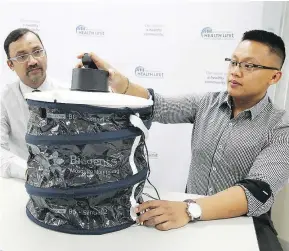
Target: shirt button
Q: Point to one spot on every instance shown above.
(230, 124)
(220, 147)
(214, 168)
(210, 189)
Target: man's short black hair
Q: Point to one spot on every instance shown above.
(14, 36)
(274, 42)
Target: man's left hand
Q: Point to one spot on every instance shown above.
(163, 215)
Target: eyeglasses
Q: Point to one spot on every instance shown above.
(248, 66)
(24, 57)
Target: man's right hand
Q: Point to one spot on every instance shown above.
(116, 80)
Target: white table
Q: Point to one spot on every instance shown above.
(18, 233)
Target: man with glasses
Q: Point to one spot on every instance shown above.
(27, 57)
(240, 141)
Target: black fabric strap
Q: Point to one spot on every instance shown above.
(260, 189)
(152, 93)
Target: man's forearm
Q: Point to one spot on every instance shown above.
(12, 166)
(229, 203)
(124, 86)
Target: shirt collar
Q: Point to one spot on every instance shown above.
(46, 85)
(254, 110)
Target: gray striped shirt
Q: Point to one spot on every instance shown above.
(225, 150)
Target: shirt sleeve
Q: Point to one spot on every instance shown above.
(271, 167)
(178, 109)
(12, 166)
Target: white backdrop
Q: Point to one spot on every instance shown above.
(183, 43)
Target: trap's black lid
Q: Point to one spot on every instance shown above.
(89, 78)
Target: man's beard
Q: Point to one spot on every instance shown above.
(35, 77)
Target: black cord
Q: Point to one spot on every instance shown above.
(149, 171)
(148, 195)
(155, 190)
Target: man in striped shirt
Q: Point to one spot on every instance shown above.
(240, 141)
